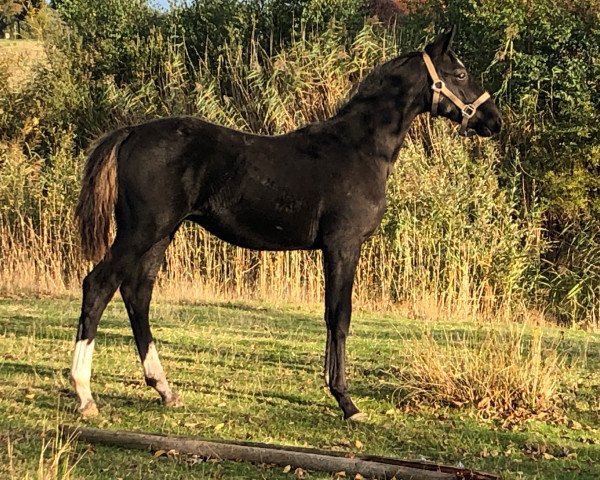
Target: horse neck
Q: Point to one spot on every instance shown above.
(377, 123)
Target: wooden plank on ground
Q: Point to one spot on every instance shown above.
(305, 458)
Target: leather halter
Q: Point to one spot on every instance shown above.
(439, 88)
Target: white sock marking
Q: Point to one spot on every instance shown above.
(81, 371)
(153, 370)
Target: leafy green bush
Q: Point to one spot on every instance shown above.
(543, 60)
(108, 33)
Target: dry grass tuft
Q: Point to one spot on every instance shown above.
(57, 458)
(499, 373)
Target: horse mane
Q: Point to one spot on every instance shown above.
(370, 86)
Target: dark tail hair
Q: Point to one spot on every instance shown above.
(98, 196)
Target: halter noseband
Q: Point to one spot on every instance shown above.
(440, 88)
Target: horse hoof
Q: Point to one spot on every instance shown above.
(174, 401)
(89, 410)
(359, 417)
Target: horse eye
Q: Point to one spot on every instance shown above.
(462, 75)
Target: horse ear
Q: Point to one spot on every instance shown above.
(442, 43)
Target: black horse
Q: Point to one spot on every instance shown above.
(319, 187)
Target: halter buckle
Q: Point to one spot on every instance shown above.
(438, 86)
(468, 111)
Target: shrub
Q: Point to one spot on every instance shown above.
(497, 372)
(452, 231)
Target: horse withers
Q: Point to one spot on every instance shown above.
(319, 187)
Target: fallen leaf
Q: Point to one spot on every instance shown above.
(358, 476)
(193, 460)
(219, 426)
(340, 474)
(358, 444)
(160, 453)
(287, 469)
(300, 473)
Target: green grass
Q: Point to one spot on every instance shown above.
(252, 371)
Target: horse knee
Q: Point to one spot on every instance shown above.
(341, 333)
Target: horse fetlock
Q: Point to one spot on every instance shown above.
(81, 372)
(78, 380)
(359, 417)
(88, 409)
(159, 384)
(169, 398)
(347, 406)
(172, 401)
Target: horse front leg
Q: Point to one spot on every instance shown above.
(340, 267)
(327, 353)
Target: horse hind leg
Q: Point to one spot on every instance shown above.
(98, 288)
(136, 291)
(81, 372)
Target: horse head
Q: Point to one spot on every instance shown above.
(455, 94)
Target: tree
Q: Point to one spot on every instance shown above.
(15, 11)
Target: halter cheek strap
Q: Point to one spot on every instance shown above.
(439, 88)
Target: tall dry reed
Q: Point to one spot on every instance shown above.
(452, 241)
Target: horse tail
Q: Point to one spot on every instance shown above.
(98, 196)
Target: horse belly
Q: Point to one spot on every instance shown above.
(262, 230)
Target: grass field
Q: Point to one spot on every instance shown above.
(252, 371)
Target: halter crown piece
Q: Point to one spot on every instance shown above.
(440, 88)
